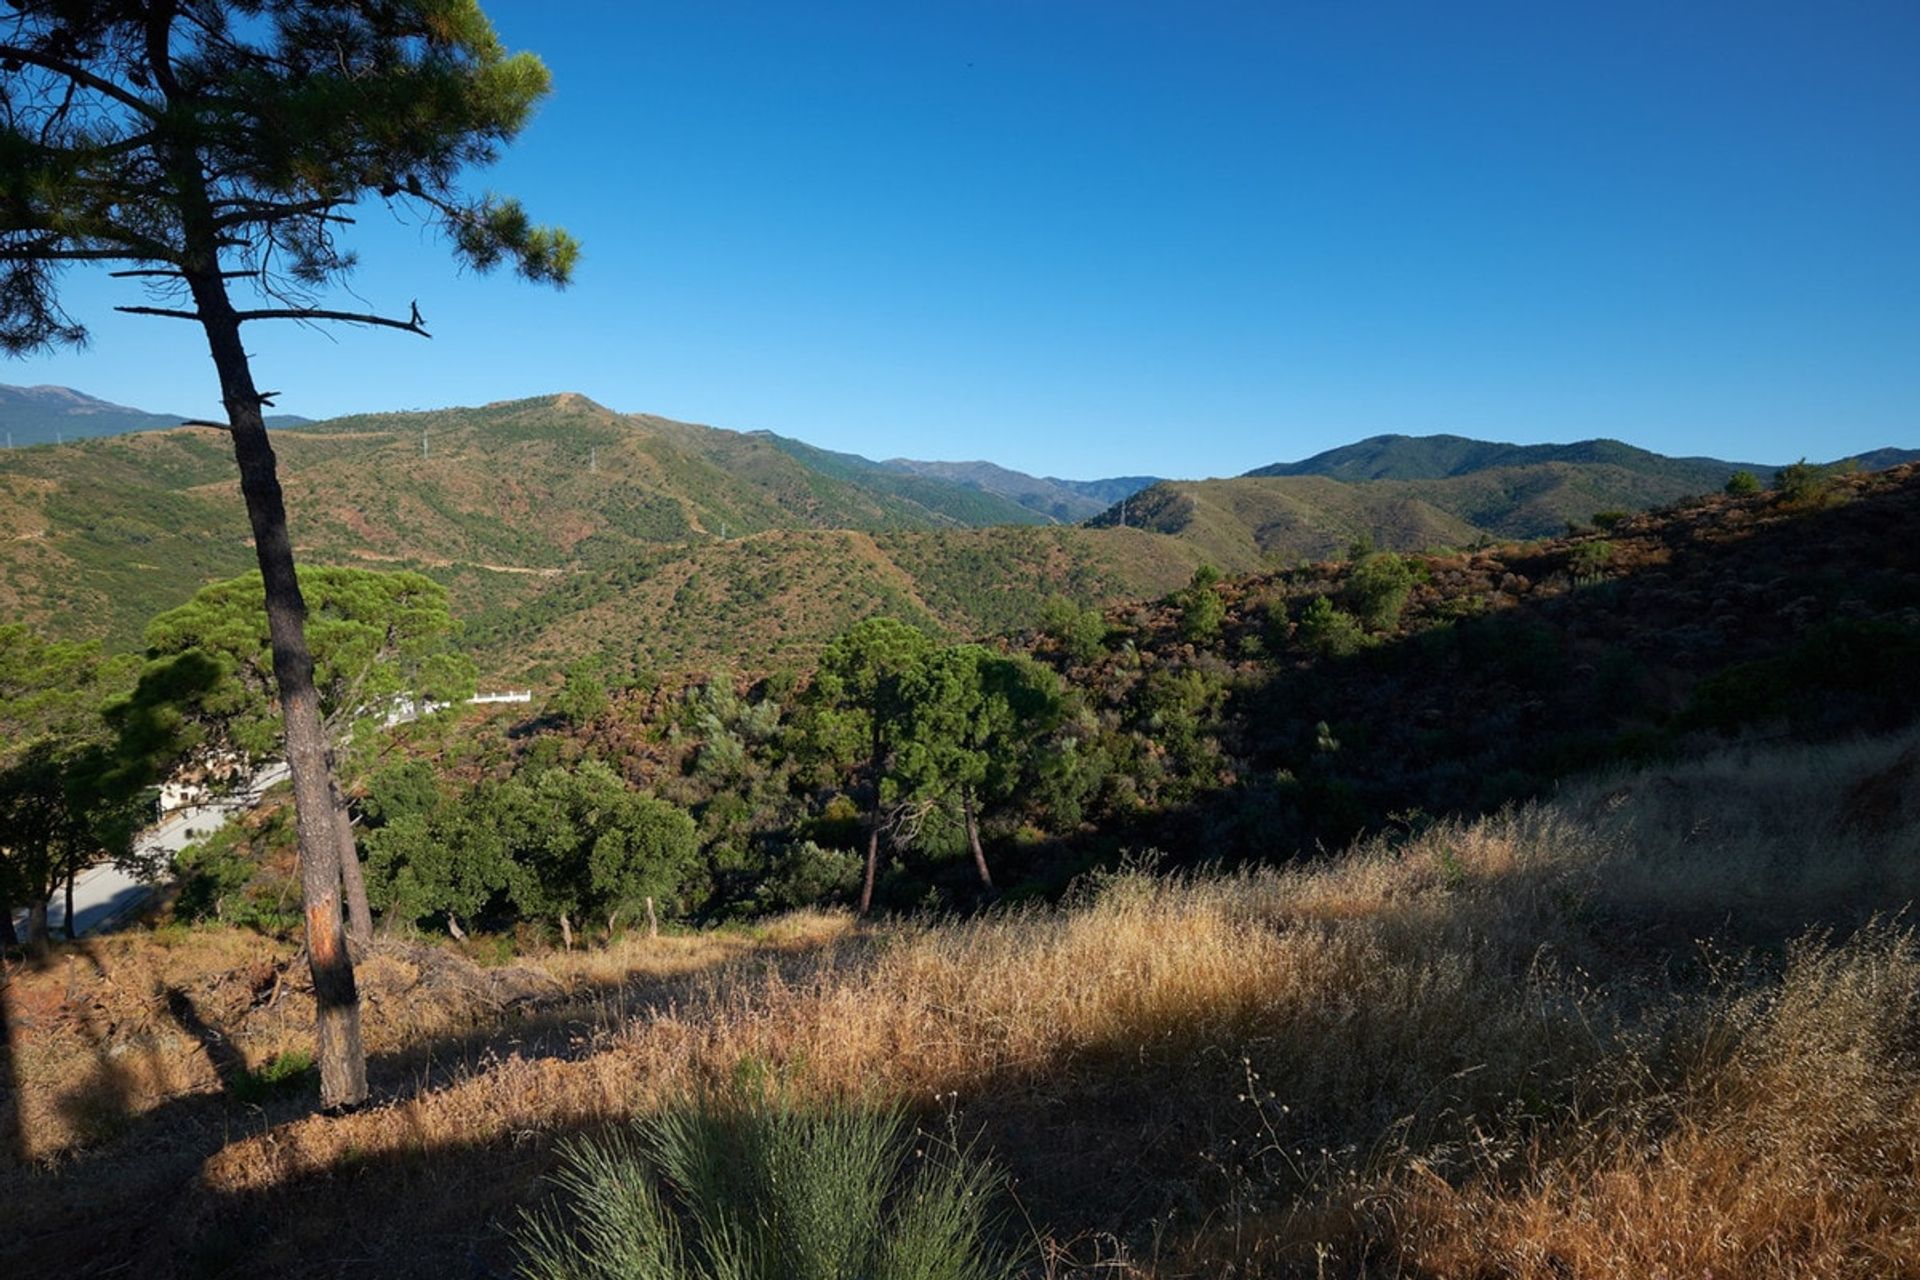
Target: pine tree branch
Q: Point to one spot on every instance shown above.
(414, 325)
(75, 255)
(81, 75)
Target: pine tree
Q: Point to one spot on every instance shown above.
(206, 146)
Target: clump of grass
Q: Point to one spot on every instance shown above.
(286, 1073)
(754, 1187)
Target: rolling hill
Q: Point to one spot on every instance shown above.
(562, 527)
(533, 510)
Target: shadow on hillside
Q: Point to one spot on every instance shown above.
(1107, 1141)
(113, 1198)
(1523, 666)
(1107, 1136)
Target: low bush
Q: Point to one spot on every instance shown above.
(754, 1187)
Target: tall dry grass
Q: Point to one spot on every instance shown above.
(1666, 1024)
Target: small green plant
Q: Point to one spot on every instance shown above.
(280, 1076)
(1608, 521)
(1743, 484)
(753, 1186)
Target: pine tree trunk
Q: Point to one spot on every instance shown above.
(342, 1057)
(973, 838)
(352, 880)
(873, 833)
(66, 925)
(873, 862)
(566, 932)
(38, 940)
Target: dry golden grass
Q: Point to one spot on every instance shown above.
(1502, 1048)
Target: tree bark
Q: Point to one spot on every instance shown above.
(352, 879)
(973, 838)
(453, 927)
(342, 1056)
(873, 862)
(873, 832)
(566, 932)
(9, 936)
(66, 925)
(38, 940)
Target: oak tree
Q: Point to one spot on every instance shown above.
(213, 146)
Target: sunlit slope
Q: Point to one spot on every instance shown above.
(772, 599)
(1236, 522)
(97, 536)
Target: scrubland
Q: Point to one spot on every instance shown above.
(1662, 1024)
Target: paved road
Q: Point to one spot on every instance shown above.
(105, 893)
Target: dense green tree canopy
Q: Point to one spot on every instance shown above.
(382, 644)
(68, 796)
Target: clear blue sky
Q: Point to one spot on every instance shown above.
(1089, 237)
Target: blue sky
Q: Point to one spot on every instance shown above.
(1091, 237)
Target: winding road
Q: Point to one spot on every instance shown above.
(105, 893)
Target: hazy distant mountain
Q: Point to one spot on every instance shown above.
(1068, 501)
(47, 415)
(1395, 457)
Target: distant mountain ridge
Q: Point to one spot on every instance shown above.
(1439, 457)
(1067, 501)
(52, 415)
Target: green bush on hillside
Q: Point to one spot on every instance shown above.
(758, 1189)
(1329, 630)
(1201, 608)
(1743, 484)
(1378, 590)
(1803, 483)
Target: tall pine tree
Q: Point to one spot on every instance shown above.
(205, 148)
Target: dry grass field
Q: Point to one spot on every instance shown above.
(1667, 1024)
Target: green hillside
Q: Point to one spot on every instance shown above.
(1237, 523)
(669, 541)
(1396, 457)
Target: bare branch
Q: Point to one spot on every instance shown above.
(175, 273)
(81, 75)
(74, 255)
(414, 325)
(160, 311)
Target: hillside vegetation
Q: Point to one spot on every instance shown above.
(1534, 1045)
(498, 502)
(562, 528)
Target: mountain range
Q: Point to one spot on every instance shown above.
(562, 527)
(50, 415)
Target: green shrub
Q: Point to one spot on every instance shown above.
(1378, 589)
(1330, 631)
(1743, 484)
(1610, 520)
(1080, 633)
(756, 1188)
(1803, 483)
(1201, 608)
(1587, 562)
